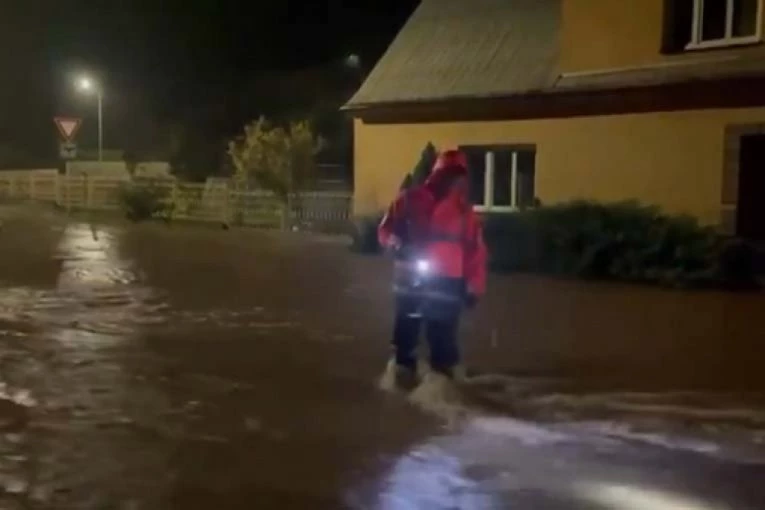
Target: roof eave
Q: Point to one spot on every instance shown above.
(556, 87)
(703, 94)
(352, 106)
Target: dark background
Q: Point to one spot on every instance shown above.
(195, 70)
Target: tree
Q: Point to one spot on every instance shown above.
(131, 161)
(422, 169)
(194, 154)
(425, 164)
(406, 183)
(11, 156)
(279, 159)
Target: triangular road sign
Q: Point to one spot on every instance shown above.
(68, 127)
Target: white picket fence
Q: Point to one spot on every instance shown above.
(215, 201)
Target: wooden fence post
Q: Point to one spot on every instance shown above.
(226, 206)
(287, 214)
(90, 192)
(172, 206)
(68, 187)
(57, 189)
(85, 197)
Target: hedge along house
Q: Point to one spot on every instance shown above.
(662, 101)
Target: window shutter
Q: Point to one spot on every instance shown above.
(677, 25)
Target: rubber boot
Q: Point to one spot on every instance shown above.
(398, 378)
(438, 393)
(459, 374)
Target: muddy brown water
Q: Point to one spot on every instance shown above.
(180, 367)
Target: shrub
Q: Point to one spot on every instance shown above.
(144, 201)
(739, 265)
(623, 241)
(424, 166)
(364, 234)
(512, 242)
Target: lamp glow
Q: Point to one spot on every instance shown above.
(86, 84)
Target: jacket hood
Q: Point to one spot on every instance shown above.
(449, 165)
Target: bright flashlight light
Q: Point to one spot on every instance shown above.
(423, 266)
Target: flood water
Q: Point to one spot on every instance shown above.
(156, 367)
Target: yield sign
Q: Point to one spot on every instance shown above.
(68, 127)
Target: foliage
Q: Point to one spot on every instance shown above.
(144, 200)
(422, 169)
(279, 159)
(197, 156)
(406, 183)
(328, 119)
(739, 264)
(186, 199)
(622, 241)
(131, 161)
(425, 164)
(12, 156)
(364, 234)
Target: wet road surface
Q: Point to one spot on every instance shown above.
(157, 368)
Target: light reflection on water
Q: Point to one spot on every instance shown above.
(96, 296)
(492, 462)
(430, 478)
(627, 497)
(100, 302)
(90, 257)
(97, 305)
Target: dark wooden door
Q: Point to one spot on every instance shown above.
(750, 216)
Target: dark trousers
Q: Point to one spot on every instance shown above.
(440, 330)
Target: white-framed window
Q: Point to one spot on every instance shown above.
(725, 23)
(703, 24)
(501, 178)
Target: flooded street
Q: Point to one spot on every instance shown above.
(156, 367)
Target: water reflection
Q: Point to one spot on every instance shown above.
(90, 257)
(95, 407)
(626, 497)
(429, 477)
(470, 468)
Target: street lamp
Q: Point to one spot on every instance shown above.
(86, 85)
(353, 61)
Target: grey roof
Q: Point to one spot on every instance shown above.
(731, 64)
(452, 49)
(468, 48)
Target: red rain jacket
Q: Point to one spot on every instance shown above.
(447, 231)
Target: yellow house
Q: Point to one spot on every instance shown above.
(657, 100)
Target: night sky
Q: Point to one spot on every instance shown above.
(162, 59)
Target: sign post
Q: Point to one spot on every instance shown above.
(68, 128)
(68, 150)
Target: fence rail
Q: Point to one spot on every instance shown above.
(215, 201)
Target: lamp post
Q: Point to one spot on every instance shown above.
(86, 85)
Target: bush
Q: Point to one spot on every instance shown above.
(144, 201)
(364, 235)
(512, 241)
(623, 241)
(739, 265)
